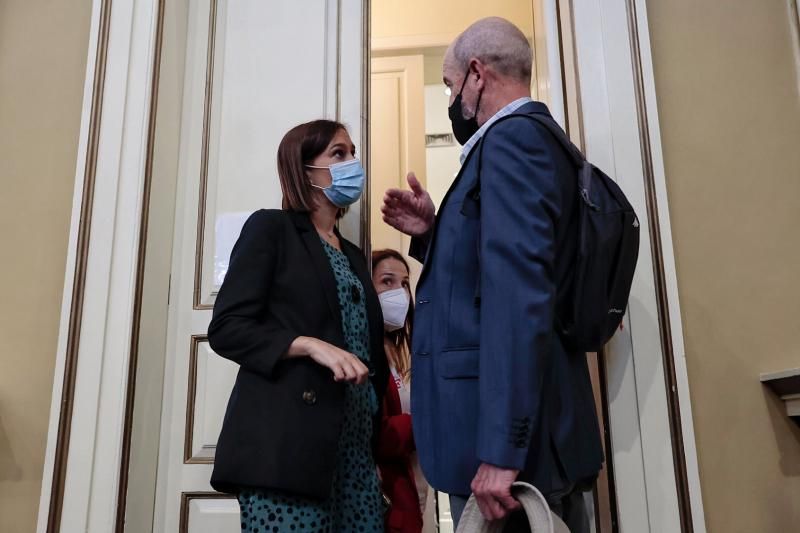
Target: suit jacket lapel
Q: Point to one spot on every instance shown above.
(530, 107)
(453, 186)
(321, 263)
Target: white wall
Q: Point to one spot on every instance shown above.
(442, 162)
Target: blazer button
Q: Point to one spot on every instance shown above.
(310, 397)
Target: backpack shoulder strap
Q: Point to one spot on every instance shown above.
(552, 127)
(472, 208)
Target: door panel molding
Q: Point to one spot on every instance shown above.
(198, 300)
(398, 83)
(197, 394)
(186, 501)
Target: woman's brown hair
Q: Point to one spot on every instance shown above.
(399, 355)
(298, 148)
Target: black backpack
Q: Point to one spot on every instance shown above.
(591, 306)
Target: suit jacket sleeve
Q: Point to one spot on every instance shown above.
(419, 246)
(242, 329)
(520, 205)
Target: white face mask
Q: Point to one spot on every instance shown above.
(395, 308)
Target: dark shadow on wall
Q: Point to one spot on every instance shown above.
(9, 469)
(786, 432)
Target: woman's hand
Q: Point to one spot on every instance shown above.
(344, 365)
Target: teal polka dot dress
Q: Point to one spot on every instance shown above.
(356, 504)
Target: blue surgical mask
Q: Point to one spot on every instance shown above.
(347, 182)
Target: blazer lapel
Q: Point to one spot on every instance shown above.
(378, 365)
(357, 261)
(358, 264)
(321, 263)
(455, 183)
(530, 107)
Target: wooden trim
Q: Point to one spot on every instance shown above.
(605, 491)
(662, 298)
(573, 108)
(783, 383)
(433, 40)
(541, 67)
(610, 522)
(79, 283)
(338, 60)
(794, 25)
(366, 79)
(124, 468)
(191, 399)
(786, 385)
(201, 207)
(187, 497)
(562, 68)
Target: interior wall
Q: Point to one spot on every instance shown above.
(729, 109)
(442, 161)
(402, 18)
(397, 25)
(43, 51)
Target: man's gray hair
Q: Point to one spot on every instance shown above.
(499, 44)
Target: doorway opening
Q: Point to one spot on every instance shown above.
(216, 136)
(409, 131)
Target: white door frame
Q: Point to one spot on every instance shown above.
(620, 127)
(621, 133)
(82, 462)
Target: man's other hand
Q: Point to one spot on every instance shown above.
(492, 490)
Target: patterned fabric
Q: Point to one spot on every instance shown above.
(356, 504)
(507, 110)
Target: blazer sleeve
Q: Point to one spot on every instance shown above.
(396, 439)
(418, 249)
(520, 205)
(241, 327)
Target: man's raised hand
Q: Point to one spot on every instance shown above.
(411, 212)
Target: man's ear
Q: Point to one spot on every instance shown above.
(478, 69)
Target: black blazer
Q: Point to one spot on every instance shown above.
(284, 416)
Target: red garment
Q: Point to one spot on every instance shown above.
(395, 446)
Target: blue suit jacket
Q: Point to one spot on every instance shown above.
(491, 379)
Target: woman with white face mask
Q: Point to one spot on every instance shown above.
(402, 479)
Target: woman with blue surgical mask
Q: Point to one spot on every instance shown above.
(298, 313)
(402, 478)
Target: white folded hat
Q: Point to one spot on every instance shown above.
(540, 517)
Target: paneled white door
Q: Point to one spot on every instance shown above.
(253, 70)
(397, 132)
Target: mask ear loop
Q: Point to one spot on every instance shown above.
(314, 184)
(464, 83)
(480, 95)
(478, 105)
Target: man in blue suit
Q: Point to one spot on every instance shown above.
(496, 397)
